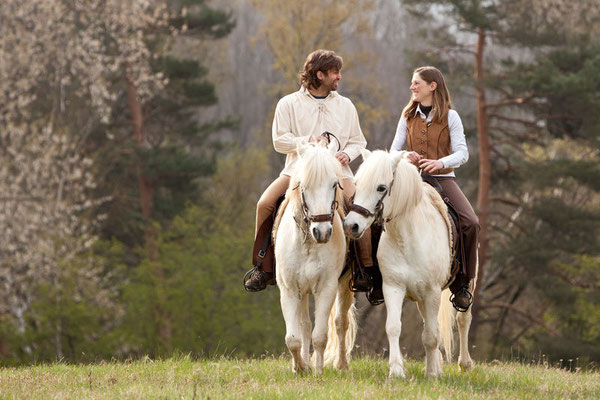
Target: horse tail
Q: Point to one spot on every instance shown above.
(343, 298)
(352, 327)
(446, 321)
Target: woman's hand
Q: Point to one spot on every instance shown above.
(342, 157)
(430, 166)
(414, 157)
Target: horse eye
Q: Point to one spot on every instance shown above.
(334, 185)
(381, 188)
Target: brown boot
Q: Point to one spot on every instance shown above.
(258, 280)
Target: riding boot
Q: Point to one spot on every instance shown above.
(375, 294)
(259, 280)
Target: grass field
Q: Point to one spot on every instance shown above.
(185, 378)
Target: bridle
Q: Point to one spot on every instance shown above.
(378, 212)
(308, 218)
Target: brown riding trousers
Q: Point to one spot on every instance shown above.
(266, 206)
(468, 220)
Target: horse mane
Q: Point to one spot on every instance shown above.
(310, 169)
(407, 190)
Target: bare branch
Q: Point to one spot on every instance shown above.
(515, 120)
(532, 318)
(506, 102)
(506, 201)
(572, 281)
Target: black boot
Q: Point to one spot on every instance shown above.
(462, 299)
(256, 280)
(375, 294)
(361, 281)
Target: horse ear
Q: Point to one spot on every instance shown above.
(397, 156)
(365, 154)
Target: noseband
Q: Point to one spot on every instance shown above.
(378, 213)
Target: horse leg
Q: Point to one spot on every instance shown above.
(345, 300)
(291, 308)
(463, 320)
(323, 303)
(306, 325)
(394, 297)
(429, 309)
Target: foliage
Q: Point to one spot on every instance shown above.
(196, 278)
(177, 147)
(69, 160)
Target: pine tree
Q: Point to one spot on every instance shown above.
(170, 149)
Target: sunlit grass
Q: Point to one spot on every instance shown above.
(271, 377)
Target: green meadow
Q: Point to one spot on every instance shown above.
(271, 377)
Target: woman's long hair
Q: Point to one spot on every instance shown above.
(441, 96)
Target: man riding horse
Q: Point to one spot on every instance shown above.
(315, 113)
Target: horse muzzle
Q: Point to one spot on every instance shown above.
(352, 228)
(321, 232)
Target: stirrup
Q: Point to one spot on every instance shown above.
(359, 288)
(460, 307)
(372, 300)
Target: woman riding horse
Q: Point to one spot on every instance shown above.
(432, 132)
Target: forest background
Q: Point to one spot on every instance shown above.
(135, 141)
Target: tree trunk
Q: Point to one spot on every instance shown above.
(485, 166)
(146, 195)
(146, 189)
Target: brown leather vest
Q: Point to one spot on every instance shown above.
(430, 139)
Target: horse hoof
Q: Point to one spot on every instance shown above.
(300, 369)
(397, 372)
(465, 365)
(434, 374)
(341, 366)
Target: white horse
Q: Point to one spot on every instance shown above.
(310, 249)
(414, 254)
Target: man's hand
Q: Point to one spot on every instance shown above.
(430, 166)
(318, 139)
(342, 157)
(414, 157)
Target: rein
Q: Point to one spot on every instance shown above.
(328, 135)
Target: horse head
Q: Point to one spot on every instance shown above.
(314, 187)
(375, 184)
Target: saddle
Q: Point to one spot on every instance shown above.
(458, 273)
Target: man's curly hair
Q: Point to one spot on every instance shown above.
(319, 60)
